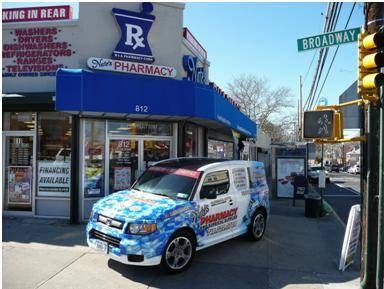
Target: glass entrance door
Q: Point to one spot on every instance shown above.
(18, 159)
(155, 150)
(123, 163)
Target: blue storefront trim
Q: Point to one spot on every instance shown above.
(80, 90)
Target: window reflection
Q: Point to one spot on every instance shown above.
(220, 149)
(94, 158)
(139, 128)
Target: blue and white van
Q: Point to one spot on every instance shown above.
(179, 206)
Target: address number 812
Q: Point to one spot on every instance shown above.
(141, 108)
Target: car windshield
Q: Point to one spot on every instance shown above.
(170, 182)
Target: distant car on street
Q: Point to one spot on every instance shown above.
(335, 168)
(354, 169)
(313, 175)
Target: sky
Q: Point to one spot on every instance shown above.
(261, 39)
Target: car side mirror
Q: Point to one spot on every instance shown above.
(207, 193)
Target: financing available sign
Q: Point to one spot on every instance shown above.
(328, 39)
(54, 178)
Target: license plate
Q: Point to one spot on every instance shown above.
(102, 246)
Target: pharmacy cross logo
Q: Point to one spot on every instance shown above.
(134, 27)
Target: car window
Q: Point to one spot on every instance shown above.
(216, 181)
(171, 182)
(240, 179)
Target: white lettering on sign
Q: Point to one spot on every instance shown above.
(131, 67)
(134, 32)
(37, 13)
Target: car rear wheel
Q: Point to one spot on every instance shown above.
(179, 252)
(257, 226)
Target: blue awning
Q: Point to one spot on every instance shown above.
(82, 91)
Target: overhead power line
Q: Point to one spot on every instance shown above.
(333, 27)
(331, 14)
(334, 55)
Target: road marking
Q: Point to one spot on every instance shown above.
(336, 215)
(347, 188)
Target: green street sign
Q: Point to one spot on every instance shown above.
(328, 39)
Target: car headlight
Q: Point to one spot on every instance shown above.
(141, 228)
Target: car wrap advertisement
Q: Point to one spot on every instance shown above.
(287, 168)
(170, 214)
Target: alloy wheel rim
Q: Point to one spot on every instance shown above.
(258, 225)
(178, 253)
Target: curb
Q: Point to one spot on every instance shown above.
(334, 213)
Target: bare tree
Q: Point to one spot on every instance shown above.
(270, 108)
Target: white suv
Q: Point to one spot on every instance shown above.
(179, 206)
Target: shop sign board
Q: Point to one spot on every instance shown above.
(19, 185)
(134, 27)
(188, 36)
(351, 238)
(328, 39)
(194, 73)
(27, 14)
(35, 52)
(113, 65)
(54, 178)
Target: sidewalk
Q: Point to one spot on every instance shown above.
(295, 253)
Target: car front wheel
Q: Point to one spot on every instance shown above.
(179, 252)
(257, 226)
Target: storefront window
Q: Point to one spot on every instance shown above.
(155, 151)
(190, 140)
(123, 163)
(54, 154)
(139, 128)
(19, 120)
(18, 173)
(94, 149)
(220, 149)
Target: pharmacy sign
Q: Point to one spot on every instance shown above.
(328, 39)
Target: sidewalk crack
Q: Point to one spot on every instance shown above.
(61, 270)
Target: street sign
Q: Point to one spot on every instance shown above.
(318, 124)
(328, 39)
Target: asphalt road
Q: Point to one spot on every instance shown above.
(342, 193)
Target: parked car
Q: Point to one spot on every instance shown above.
(313, 175)
(354, 169)
(335, 168)
(180, 206)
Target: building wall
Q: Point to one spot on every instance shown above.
(67, 31)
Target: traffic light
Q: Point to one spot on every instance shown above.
(323, 124)
(371, 59)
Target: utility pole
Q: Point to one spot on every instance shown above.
(370, 172)
(300, 108)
